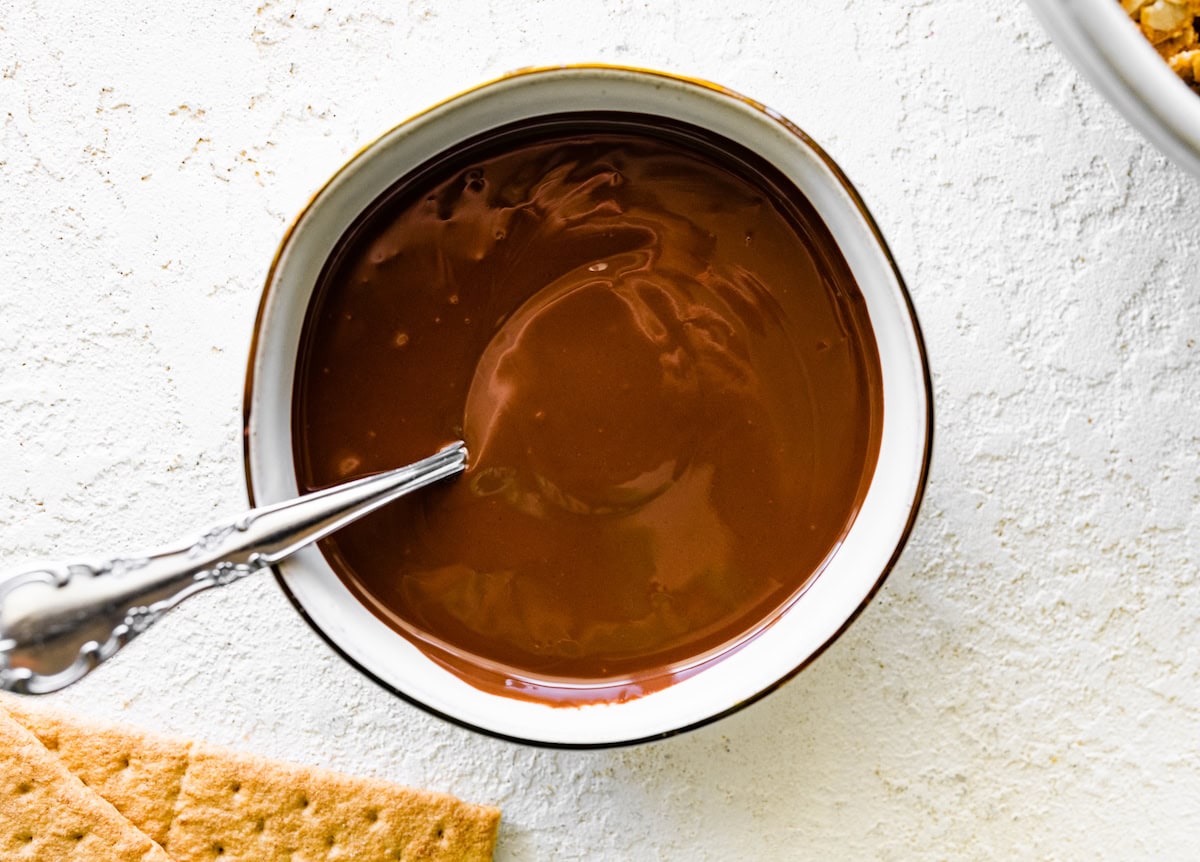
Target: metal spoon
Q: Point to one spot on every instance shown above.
(58, 622)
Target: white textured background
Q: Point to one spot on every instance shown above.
(1027, 684)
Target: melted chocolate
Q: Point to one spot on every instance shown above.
(665, 376)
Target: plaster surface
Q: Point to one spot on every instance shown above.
(1027, 683)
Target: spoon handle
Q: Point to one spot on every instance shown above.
(59, 621)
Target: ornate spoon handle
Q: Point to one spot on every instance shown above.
(59, 621)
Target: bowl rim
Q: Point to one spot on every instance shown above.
(1106, 46)
(921, 357)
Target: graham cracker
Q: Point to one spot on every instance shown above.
(201, 802)
(138, 773)
(48, 815)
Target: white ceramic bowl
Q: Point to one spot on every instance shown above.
(1111, 52)
(811, 621)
